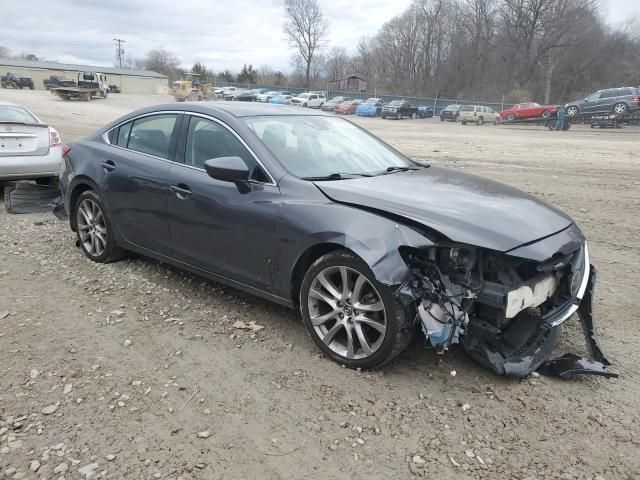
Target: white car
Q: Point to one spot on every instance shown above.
(224, 90)
(29, 148)
(309, 99)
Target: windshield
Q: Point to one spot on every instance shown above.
(452, 107)
(372, 100)
(304, 95)
(10, 113)
(318, 146)
(395, 103)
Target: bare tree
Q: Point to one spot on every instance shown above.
(161, 61)
(307, 30)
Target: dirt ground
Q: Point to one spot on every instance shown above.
(134, 369)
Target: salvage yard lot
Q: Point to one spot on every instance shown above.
(272, 407)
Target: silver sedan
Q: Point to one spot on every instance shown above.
(29, 148)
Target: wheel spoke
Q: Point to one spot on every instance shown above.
(93, 243)
(362, 338)
(100, 238)
(372, 323)
(350, 346)
(329, 286)
(321, 296)
(322, 319)
(83, 227)
(83, 211)
(357, 289)
(330, 335)
(344, 276)
(369, 307)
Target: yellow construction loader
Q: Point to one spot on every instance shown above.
(192, 88)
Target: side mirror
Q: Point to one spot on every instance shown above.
(227, 169)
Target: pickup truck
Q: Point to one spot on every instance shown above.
(16, 80)
(90, 84)
(57, 81)
(399, 109)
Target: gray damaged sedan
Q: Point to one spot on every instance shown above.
(312, 212)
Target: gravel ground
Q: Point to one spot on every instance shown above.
(135, 369)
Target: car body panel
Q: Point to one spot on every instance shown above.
(464, 208)
(477, 114)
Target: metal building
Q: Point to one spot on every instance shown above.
(130, 81)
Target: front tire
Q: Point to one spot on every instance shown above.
(94, 231)
(572, 111)
(354, 319)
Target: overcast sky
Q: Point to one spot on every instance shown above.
(221, 34)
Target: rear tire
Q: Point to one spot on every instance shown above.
(546, 114)
(377, 334)
(94, 230)
(511, 117)
(620, 108)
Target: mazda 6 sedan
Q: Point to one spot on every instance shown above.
(313, 212)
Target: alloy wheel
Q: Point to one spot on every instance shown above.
(572, 111)
(92, 228)
(620, 108)
(347, 312)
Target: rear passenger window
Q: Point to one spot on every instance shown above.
(123, 134)
(152, 135)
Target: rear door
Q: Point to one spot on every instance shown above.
(135, 184)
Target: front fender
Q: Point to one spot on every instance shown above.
(372, 237)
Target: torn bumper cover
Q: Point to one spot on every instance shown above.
(509, 325)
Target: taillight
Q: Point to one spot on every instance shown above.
(54, 138)
(636, 99)
(65, 149)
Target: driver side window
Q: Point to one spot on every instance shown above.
(207, 139)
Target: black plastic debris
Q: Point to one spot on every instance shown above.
(570, 365)
(28, 197)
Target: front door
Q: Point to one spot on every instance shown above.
(215, 225)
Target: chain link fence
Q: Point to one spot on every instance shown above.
(437, 103)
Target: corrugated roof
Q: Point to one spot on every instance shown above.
(19, 63)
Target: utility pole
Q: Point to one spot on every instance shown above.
(119, 50)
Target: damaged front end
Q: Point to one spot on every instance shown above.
(506, 311)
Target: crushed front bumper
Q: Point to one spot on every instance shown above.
(545, 334)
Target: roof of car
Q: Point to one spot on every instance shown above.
(255, 109)
(10, 104)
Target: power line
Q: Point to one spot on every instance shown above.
(119, 50)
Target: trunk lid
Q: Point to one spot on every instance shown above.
(23, 139)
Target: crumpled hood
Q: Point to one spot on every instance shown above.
(463, 207)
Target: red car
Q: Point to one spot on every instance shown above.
(528, 110)
(347, 108)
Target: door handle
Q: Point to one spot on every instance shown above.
(109, 166)
(181, 191)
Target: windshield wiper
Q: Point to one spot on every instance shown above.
(337, 176)
(395, 168)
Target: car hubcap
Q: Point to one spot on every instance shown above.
(571, 111)
(620, 108)
(347, 312)
(92, 228)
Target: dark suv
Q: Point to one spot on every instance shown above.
(616, 100)
(451, 113)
